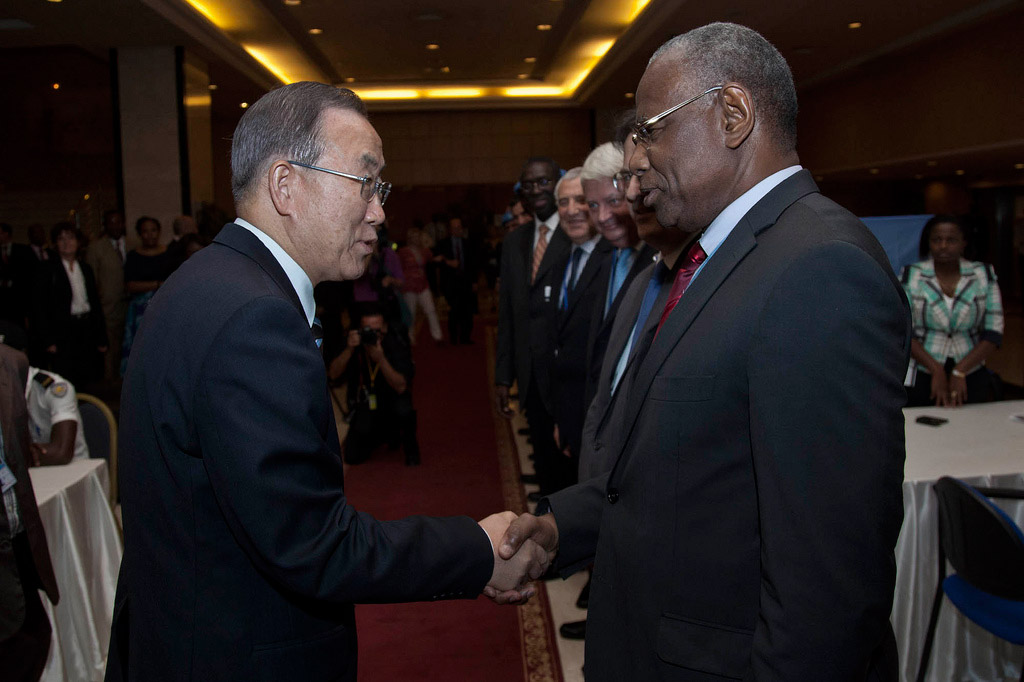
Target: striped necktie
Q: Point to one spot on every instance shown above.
(539, 249)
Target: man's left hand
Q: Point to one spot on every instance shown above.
(375, 351)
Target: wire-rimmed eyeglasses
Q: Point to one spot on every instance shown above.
(642, 130)
(369, 185)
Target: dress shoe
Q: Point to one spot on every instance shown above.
(584, 599)
(528, 478)
(577, 629)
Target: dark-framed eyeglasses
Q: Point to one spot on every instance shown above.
(642, 130)
(539, 183)
(621, 180)
(369, 185)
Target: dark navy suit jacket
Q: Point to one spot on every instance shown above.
(242, 557)
(748, 526)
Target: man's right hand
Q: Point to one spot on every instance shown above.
(526, 531)
(501, 402)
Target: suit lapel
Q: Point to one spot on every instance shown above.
(734, 249)
(242, 240)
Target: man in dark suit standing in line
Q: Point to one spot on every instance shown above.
(578, 300)
(17, 264)
(529, 294)
(242, 557)
(24, 558)
(460, 269)
(747, 527)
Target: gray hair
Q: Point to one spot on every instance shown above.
(721, 53)
(284, 123)
(571, 174)
(604, 162)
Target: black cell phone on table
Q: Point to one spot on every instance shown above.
(931, 421)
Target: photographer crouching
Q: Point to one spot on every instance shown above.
(377, 366)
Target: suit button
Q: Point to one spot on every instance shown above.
(613, 496)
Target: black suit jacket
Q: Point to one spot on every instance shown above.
(16, 277)
(524, 310)
(242, 557)
(457, 285)
(601, 325)
(572, 336)
(747, 529)
(14, 424)
(52, 307)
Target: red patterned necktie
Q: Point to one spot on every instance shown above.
(694, 257)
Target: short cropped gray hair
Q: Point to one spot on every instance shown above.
(571, 174)
(721, 53)
(284, 123)
(604, 162)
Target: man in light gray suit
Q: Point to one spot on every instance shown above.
(105, 255)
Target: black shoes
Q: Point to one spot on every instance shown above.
(576, 629)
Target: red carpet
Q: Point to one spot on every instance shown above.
(466, 469)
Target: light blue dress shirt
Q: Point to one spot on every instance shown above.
(296, 275)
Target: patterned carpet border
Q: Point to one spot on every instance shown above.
(536, 628)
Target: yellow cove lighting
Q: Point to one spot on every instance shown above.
(198, 100)
(388, 94)
(533, 92)
(269, 65)
(452, 93)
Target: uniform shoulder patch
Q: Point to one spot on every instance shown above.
(43, 379)
(59, 388)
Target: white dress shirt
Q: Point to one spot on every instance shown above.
(79, 297)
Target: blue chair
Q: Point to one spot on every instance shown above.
(100, 429)
(986, 549)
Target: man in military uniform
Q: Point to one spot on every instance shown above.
(55, 423)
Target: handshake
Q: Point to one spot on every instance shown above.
(524, 547)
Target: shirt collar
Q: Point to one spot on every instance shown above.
(722, 226)
(296, 275)
(551, 222)
(588, 246)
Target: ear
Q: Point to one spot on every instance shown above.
(738, 114)
(282, 180)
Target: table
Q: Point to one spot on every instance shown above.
(983, 445)
(85, 548)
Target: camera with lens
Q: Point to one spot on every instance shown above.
(369, 336)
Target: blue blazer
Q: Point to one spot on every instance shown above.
(242, 556)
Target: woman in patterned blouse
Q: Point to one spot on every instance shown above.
(958, 319)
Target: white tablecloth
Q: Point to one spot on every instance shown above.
(983, 445)
(86, 552)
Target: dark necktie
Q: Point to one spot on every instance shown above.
(573, 271)
(318, 333)
(694, 257)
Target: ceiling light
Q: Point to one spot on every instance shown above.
(454, 92)
(350, 79)
(86, 197)
(1019, 166)
(530, 60)
(53, 0)
(56, 86)
(315, 31)
(388, 94)
(292, 3)
(960, 171)
(244, 105)
(523, 76)
(432, 46)
(533, 92)
(212, 86)
(854, 24)
(543, 27)
(873, 171)
(629, 95)
(445, 69)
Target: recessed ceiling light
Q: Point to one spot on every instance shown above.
(873, 171)
(629, 95)
(522, 76)
(854, 24)
(212, 86)
(543, 27)
(530, 60)
(56, 86)
(315, 31)
(53, 0)
(350, 79)
(960, 171)
(86, 197)
(244, 105)
(445, 69)
(293, 3)
(932, 164)
(1019, 166)
(432, 46)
